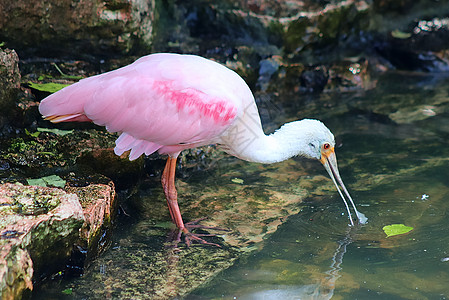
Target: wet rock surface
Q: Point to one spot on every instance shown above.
(38, 229)
(42, 228)
(99, 204)
(59, 28)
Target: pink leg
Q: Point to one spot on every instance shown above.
(168, 184)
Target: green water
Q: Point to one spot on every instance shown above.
(398, 173)
(393, 156)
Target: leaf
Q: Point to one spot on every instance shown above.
(50, 87)
(54, 130)
(396, 229)
(400, 34)
(52, 180)
(34, 134)
(68, 291)
(37, 181)
(237, 180)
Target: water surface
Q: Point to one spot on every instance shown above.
(393, 157)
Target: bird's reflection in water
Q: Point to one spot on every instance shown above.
(322, 290)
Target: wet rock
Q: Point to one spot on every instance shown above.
(16, 278)
(355, 74)
(329, 26)
(349, 75)
(9, 84)
(267, 67)
(121, 170)
(388, 6)
(58, 28)
(314, 80)
(419, 46)
(99, 205)
(280, 9)
(431, 35)
(41, 226)
(34, 153)
(312, 33)
(140, 269)
(403, 56)
(38, 227)
(221, 31)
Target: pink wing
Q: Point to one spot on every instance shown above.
(162, 102)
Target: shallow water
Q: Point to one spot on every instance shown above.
(397, 172)
(393, 157)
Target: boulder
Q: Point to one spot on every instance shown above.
(56, 28)
(37, 230)
(44, 229)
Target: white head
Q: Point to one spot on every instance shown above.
(312, 139)
(307, 138)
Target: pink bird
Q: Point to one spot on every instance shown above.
(171, 102)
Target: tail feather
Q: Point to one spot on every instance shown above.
(67, 105)
(67, 118)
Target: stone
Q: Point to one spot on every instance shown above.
(72, 27)
(38, 226)
(98, 202)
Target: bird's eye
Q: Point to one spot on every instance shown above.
(326, 146)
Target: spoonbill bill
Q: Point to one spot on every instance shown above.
(171, 102)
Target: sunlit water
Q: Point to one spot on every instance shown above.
(393, 158)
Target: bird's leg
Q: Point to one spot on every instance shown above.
(168, 184)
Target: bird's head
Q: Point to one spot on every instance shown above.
(317, 142)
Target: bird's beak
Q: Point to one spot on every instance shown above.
(329, 161)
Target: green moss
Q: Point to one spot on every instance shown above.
(32, 202)
(296, 36)
(31, 151)
(19, 145)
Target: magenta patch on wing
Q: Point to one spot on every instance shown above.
(192, 100)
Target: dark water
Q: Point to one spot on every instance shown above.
(393, 156)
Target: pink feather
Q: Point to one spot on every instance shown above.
(164, 102)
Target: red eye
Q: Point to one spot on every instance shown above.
(326, 146)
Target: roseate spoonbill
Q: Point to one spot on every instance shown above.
(171, 102)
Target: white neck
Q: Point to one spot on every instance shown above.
(290, 140)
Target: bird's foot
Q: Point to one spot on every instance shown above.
(192, 237)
